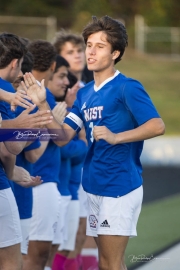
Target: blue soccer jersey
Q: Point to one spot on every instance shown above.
(120, 104)
(48, 165)
(23, 195)
(6, 114)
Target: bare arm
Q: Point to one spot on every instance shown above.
(152, 128)
(33, 155)
(8, 160)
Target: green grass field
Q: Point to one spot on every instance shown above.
(158, 227)
(161, 79)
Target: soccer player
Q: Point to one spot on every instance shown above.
(118, 116)
(12, 53)
(69, 208)
(46, 197)
(29, 155)
(72, 48)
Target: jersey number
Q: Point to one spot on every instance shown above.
(92, 127)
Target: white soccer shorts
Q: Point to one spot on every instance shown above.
(83, 202)
(71, 226)
(10, 228)
(25, 228)
(61, 232)
(114, 216)
(46, 211)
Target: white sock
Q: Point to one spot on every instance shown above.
(47, 268)
(89, 252)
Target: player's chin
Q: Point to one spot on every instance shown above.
(93, 68)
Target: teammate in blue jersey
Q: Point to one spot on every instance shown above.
(72, 48)
(11, 57)
(46, 197)
(118, 116)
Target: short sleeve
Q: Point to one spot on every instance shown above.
(4, 111)
(34, 145)
(138, 102)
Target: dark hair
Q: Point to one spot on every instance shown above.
(60, 61)
(114, 29)
(11, 48)
(44, 54)
(72, 81)
(27, 64)
(87, 75)
(62, 37)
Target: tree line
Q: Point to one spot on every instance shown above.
(73, 13)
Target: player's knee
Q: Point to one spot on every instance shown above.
(103, 265)
(41, 257)
(44, 255)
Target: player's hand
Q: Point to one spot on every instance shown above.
(35, 181)
(20, 98)
(35, 120)
(35, 91)
(20, 175)
(71, 94)
(60, 111)
(102, 132)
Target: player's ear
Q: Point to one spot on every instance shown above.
(115, 54)
(14, 63)
(53, 65)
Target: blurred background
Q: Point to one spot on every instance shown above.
(153, 57)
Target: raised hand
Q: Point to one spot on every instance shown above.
(20, 99)
(60, 111)
(36, 92)
(71, 94)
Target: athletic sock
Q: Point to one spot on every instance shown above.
(79, 260)
(89, 262)
(58, 262)
(71, 264)
(47, 268)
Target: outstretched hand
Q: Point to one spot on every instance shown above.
(71, 94)
(20, 98)
(23, 178)
(60, 111)
(35, 91)
(33, 182)
(33, 120)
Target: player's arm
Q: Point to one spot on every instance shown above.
(8, 160)
(24, 120)
(141, 109)
(33, 155)
(152, 128)
(38, 96)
